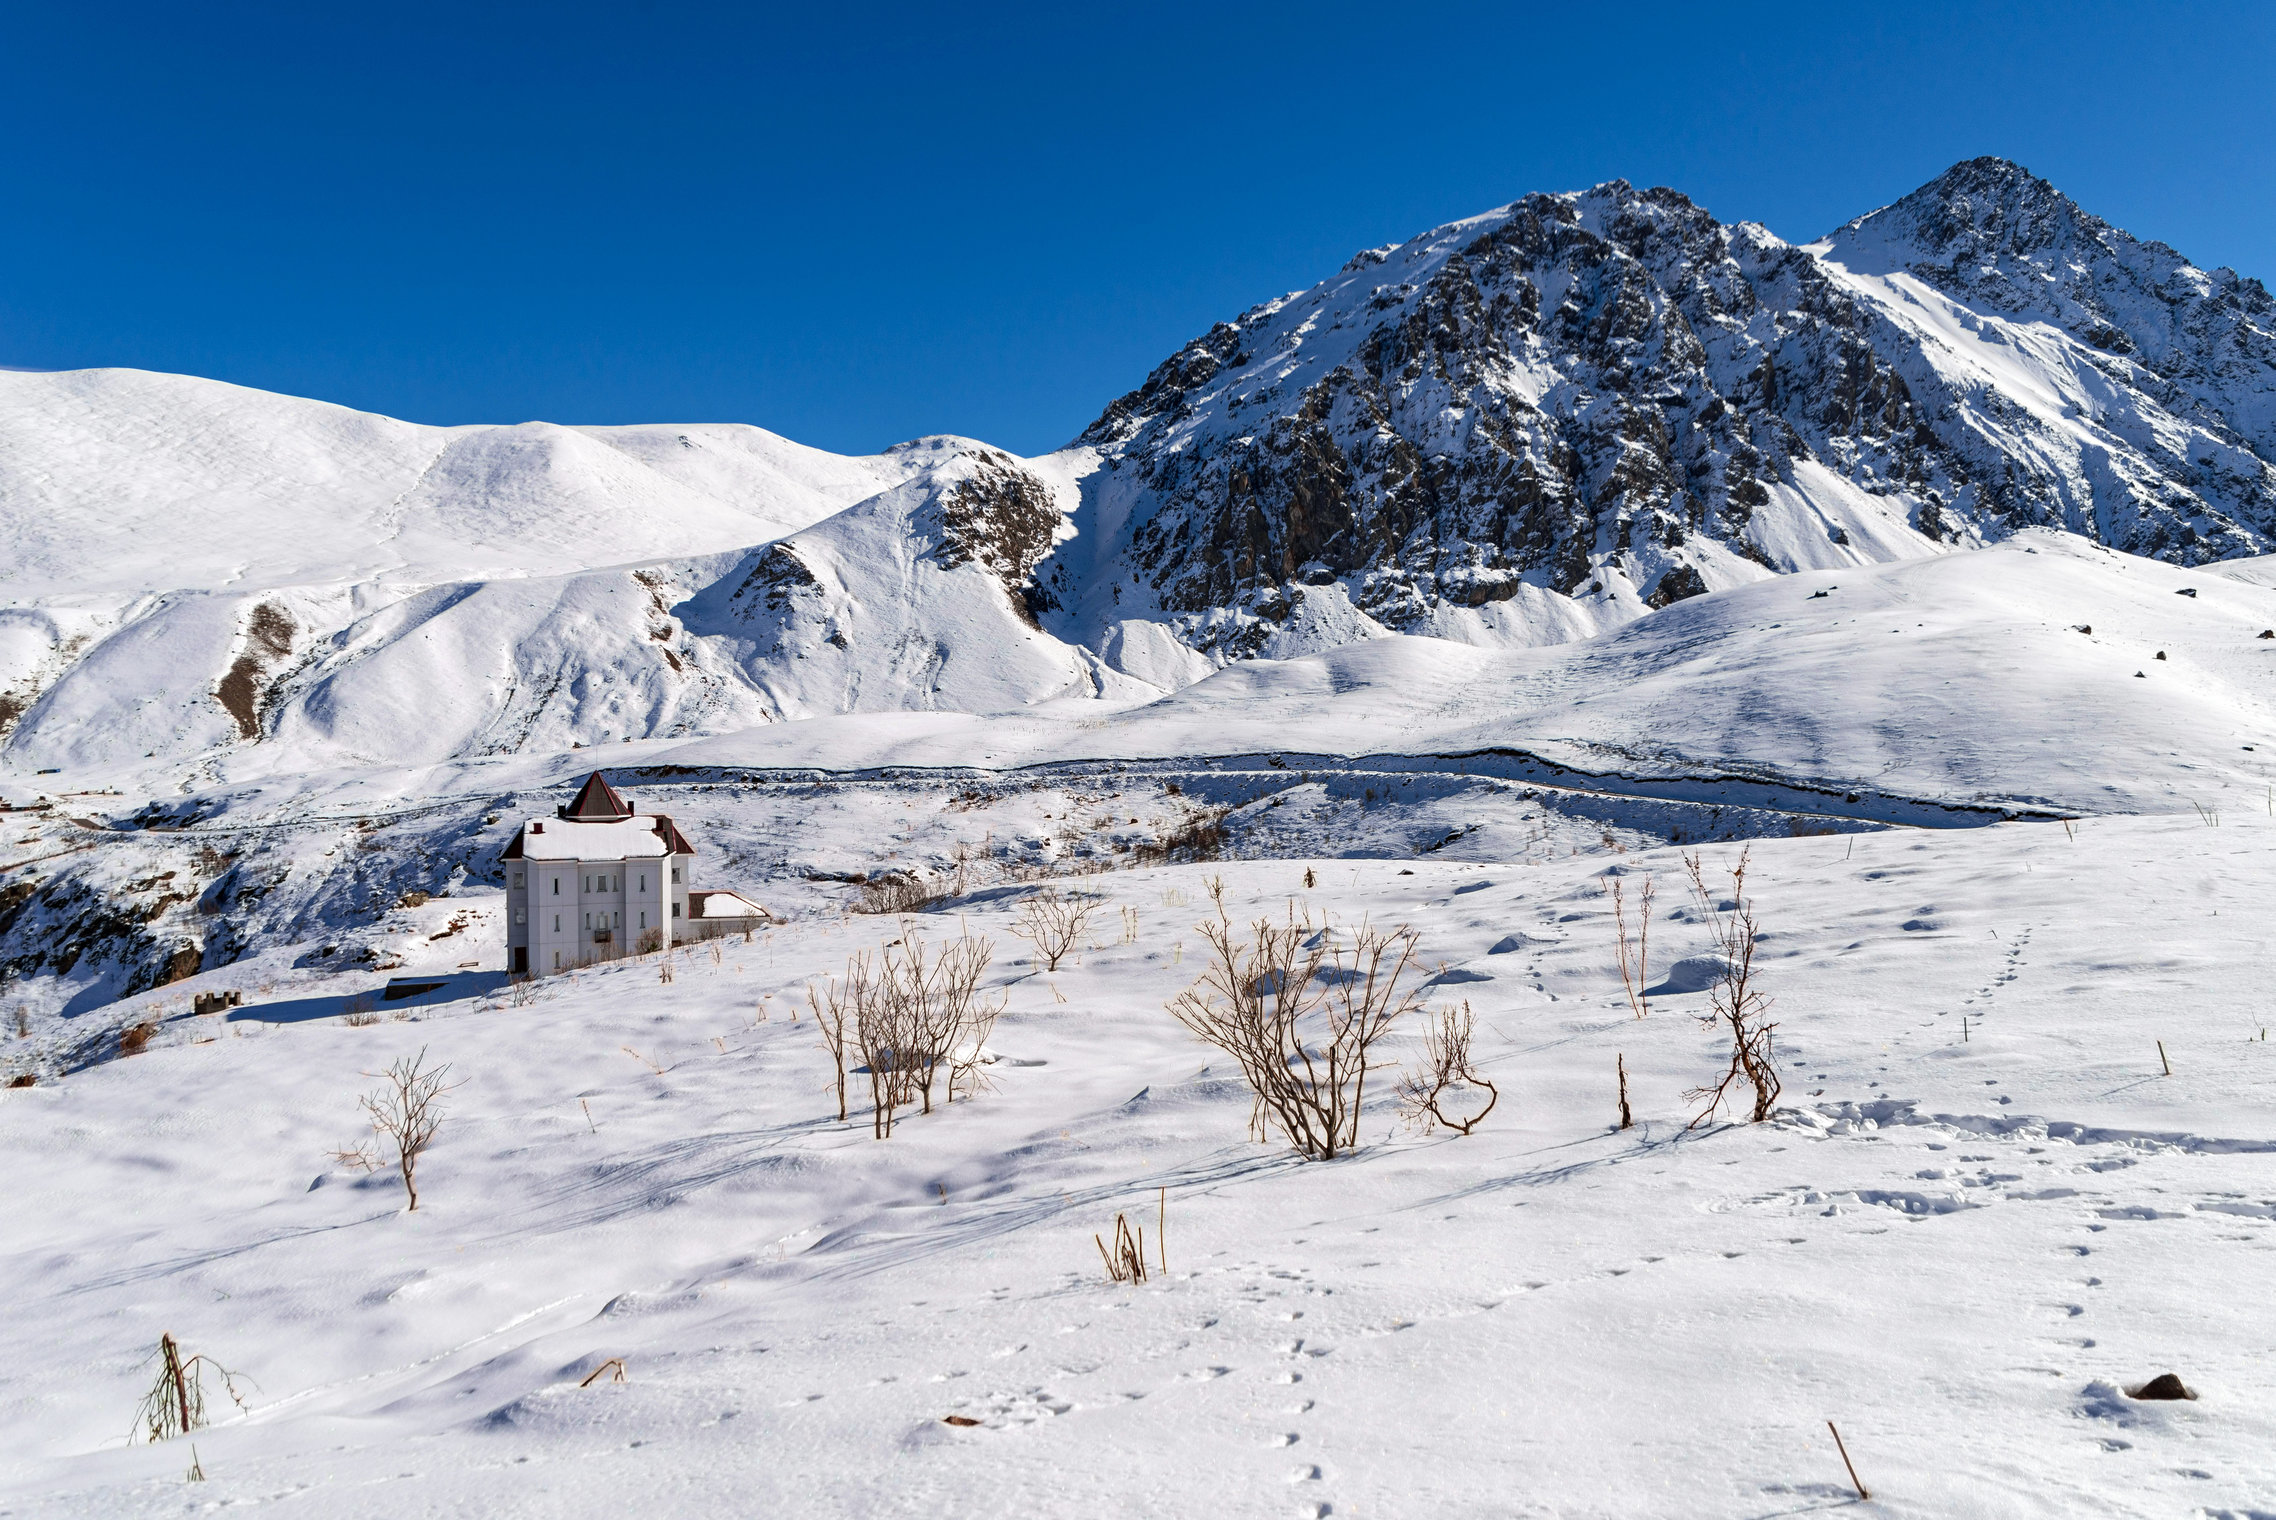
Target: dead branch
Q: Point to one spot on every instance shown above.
(1446, 1066)
(1632, 969)
(175, 1404)
(407, 1111)
(1053, 921)
(1734, 1004)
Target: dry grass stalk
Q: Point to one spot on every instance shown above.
(175, 1404)
(1301, 1014)
(592, 1377)
(1620, 1063)
(1733, 1003)
(1126, 1260)
(1446, 1066)
(1053, 922)
(664, 970)
(1632, 967)
(407, 1111)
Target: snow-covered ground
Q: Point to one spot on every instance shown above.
(1959, 1244)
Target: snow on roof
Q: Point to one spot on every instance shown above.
(724, 905)
(625, 839)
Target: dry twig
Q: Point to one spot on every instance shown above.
(407, 1111)
(1733, 1003)
(1446, 1066)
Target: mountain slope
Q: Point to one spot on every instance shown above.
(1542, 421)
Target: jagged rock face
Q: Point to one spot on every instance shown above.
(1597, 393)
(1004, 519)
(2001, 239)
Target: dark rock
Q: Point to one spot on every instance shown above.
(2165, 1385)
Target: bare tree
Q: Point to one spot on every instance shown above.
(1734, 1004)
(1446, 1066)
(175, 1404)
(1053, 921)
(1300, 1006)
(1632, 972)
(407, 1110)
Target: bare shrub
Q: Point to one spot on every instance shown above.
(1300, 1006)
(135, 1038)
(175, 1404)
(521, 991)
(1446, 1067)
(1734, 1005)
(1053, 921)
(650, 941)
(1126, 1259)
(915, 1016)
(664, 971)
(406, 1111)
(833, 1004)
(892, 892)
(1632, 966)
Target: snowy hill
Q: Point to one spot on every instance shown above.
(1980, 1216)
(1516, 430)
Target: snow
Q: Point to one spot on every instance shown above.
(1959, 1248)
(282, 680)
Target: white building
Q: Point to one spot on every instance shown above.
(598, 881)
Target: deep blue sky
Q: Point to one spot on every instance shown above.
(855, 224)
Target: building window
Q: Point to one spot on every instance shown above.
(675, 873)
(675, 910)
(588, 920)
(557, 960)
(520, 917)
(556, 886)
(643, 920)
(517, 879)
(557, 929)
(643, 881)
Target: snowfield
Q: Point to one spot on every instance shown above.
(1960, 1246)
(1489, 578)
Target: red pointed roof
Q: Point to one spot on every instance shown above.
(597, 803)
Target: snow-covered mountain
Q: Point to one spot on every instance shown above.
(1546, 419)
(1519, 429)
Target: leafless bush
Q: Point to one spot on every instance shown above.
(1446, 1066)
(175, 1404)
(1632, 967)
(406, 1111)
(521, 991)
(1126, 1260)
(664, 970)
(1733, 1003)
(1053, 922)
(650, 941)
(892, 892)
(834, 1003)
(1300, 1006)
(915, 1016)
